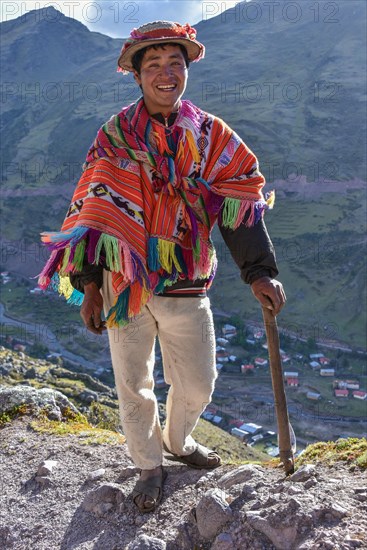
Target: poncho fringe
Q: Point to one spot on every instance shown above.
(148, 242)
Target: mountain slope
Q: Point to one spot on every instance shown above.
(290, 82)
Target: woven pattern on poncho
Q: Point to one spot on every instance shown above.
(147, 214)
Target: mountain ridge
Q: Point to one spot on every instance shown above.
(50, 119)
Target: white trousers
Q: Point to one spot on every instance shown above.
(185, 330)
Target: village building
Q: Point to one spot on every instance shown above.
(316, 355)
(5, 278)
(256, 438)
(273, 451)
(250, 341)
(251, 428)
(314, 396)
(260, 362)
(222, 341)
(292, 382)
(346, 384)
(360, 394)
(240, 434)
(36, 291)
(222, 355)
(352, 385)
(327, 372)
(324, 361)
(315, 365)
(290, 374)
(229, 331)
(207, 415)
(341, 393)
(235, 422)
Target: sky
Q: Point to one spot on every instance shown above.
(116, 18)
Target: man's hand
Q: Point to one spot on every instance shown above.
(270, 293)
(91, 309)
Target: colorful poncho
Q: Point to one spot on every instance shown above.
(146, 213)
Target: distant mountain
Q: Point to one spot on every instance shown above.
(298, 73)
(288, 76)
(290, 80)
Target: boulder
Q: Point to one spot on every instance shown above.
(52, 401)
(212, 513)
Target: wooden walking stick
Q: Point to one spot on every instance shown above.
(285, 430)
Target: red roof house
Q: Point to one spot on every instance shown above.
(360, 394)
(341, 393)
(292, 382)
(260, 362)
(247, 368)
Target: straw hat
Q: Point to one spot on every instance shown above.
(155, 32)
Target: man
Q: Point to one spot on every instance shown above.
(136, 242)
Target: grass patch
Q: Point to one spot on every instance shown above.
(352, 450)
(7, 416)
(77, 425)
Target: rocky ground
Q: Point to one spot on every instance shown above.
(72, 492)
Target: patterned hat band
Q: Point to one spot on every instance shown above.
(154, 33)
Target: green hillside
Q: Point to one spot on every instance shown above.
(310, 148)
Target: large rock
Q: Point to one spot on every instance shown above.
(46, 468)
(282, 538)
(102, 499)
(281, 522)
(304, 473)
(212, 513)
(223, 541)
(88, 396)
(240, 475)
(51, 401)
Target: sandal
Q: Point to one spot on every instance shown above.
(199, 459)
(153, 488)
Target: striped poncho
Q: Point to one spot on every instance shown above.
(146, 213)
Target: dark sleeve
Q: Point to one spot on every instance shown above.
(89, 274)
(252, 250)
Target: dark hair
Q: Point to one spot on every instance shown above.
(138, 56)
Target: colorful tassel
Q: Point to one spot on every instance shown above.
(270, 199)
(93, 237)
(76, 298)
(230, 212)
(167, 256)
(153, 254)
(78, 258)
(65, 287)
(47, 273)
(61, 239)
(118, 314)
(111, 248)
(196, 250)
(193, 147)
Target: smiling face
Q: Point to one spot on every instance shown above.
(163, 78)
